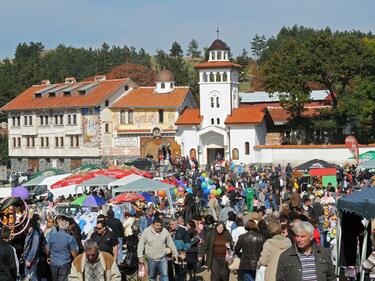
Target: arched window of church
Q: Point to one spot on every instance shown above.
(219, 55)
(225, 77)
(218, 121)
(235, 154)
(247, 148)
(162, 85)
(212, 121)
(217, 102)
(204, 77)
(212, 77)
(218, 77)
(212, 102)
(172, 85)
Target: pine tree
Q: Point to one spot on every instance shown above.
(193, 49)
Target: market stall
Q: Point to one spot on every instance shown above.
(360, 203)
(139, 184)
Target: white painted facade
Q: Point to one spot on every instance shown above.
(47, 133)
(218, 92)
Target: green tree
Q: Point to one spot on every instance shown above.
(193, 49)
(258, 44)
(243, 60)
(176, 50)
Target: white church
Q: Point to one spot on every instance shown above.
(220, 127)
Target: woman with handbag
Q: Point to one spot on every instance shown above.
(248, 248)
(216, 246)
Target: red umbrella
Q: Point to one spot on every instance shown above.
(77, 179)
(116, 173)
(127, 197)
(141, 173)
(170, 182)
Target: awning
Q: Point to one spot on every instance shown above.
(323, 172)
(360, 202)
(314, 164)
(99, 180)
(35, 181)
(142, 184)
(48, 181)
(125, 180)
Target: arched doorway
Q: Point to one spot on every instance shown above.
(151, 147)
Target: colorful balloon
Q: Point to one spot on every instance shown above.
(162, 193)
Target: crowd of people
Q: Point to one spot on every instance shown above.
(248, 220)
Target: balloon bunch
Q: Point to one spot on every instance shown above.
(209, 186)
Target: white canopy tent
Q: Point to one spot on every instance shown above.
(125, 180)
(49, 181)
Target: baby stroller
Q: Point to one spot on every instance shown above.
(129, 265)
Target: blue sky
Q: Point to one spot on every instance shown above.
(155, 24)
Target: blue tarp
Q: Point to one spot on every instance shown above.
(360, 202)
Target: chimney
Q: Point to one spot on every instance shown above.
(45, 82)
(70, 80)
(99, 78)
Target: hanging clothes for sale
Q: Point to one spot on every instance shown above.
(353, 232)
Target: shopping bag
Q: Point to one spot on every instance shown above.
(260, 273)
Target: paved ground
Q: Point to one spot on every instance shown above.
(205, 275)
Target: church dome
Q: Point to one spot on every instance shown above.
(218, 45)
(164, 76)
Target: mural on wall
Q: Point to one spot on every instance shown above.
(90, 127)
(150, 118)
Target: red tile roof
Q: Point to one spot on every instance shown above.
(142, 130)
(217, 64)
(246, 115)
(93, 97)
(280, 115)
(190, 116)
(144, 97)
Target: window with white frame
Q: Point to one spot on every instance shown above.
(74, 141)
(17, 142)
(30, 142)
(59, 141)
(130, 117)
(122, 117)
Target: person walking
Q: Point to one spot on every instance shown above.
(61, 247)
(8, 257)
(248, 249)
(106, 239)
(304, 260)
(216, 244)
(250, 194)
(214, 207)
(94, 265)
(272, 250)
(30, 255)
(153, 246)
(116, 226)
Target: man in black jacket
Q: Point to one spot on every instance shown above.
(305, 260)
(117, 228)
(8, 266)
